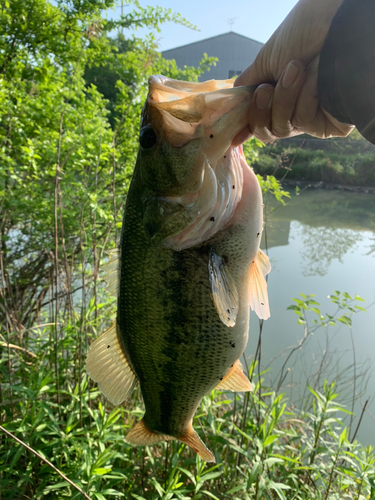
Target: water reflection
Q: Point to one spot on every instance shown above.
(371, 246)
(321, 245)
(320, 242)
(326, 224)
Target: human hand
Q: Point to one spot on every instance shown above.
(290, 59)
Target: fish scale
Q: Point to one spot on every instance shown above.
(174, 334)
(190, 265)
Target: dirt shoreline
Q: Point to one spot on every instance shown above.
(323, 185)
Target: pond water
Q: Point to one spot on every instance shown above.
(322, 241)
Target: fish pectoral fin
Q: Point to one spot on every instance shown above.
(236, 380)
(107, 365)
(111, 272)
(141, 435)
(223, 289)
(192, 439)
(258, 285)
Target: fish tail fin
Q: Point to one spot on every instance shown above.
(192, 439)
(141, 435)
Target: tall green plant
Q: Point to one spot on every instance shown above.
(265, 448)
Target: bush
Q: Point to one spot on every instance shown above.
(345, 161)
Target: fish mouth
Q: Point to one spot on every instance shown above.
(185, 111)
(195, 124)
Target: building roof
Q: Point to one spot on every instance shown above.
(234, 52)
(213, 38)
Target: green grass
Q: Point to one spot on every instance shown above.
(264, 447)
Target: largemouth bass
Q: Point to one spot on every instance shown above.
(190, 264)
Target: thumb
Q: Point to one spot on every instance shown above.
(252, 75)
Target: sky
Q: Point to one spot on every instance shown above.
(256, 19)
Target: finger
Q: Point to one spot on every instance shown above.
(285, 99)
(252, 75)
(260, 113)
(309, 116)
(308, 101)
(242, 137)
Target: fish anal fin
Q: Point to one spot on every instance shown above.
(223, 289)
(235, 380)
(192, 439)
(258, 285)
(141, 435)
(107, 365)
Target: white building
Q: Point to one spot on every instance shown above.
(235, 52)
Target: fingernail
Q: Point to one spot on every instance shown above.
(263, 98)
(290, 75)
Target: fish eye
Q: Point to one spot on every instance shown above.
(147, 138)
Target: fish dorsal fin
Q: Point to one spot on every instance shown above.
(236, 380)
(260, 267)
(107, 365)
(223, 289)
(110, 272)
(141, 435)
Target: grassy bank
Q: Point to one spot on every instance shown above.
(264, 447)
(346, 161)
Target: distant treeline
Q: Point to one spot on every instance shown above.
(345, 161)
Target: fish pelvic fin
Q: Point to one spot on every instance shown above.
(141, 435)
(235, 380)
(223, 289)
(260, 267)
(107, 365)
(110, 271)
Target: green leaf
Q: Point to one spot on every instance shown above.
(101, 471)
(345, 320)
(240, 487)
(360, 308)
(57, 486)
(272, 461)
(99, 496)
(112, 492)
(211, 495)
(270, 439)
(210, 475)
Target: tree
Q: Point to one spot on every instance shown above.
(67, 151)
